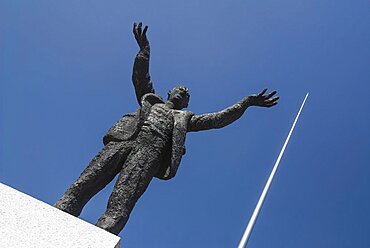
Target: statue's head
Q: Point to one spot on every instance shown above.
(179, 96)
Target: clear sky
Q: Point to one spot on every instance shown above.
(65, 76)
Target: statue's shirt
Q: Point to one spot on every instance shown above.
(160, 121)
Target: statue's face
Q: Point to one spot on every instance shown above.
(179, 96)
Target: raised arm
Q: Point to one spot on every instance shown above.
(232, 113)
(140, 74)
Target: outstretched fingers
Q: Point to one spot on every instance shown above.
(267, 100)
(269, 105)
(262, 92)
(271, 94)
(139, 28)
(140, 34)
(271, 102)
(144, 31)
(134, 30)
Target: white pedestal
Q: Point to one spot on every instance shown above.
(29, 223)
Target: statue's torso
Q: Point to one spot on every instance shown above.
(155, 120)
(160, 120)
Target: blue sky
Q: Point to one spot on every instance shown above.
(65, 73)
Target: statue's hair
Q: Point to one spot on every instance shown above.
(182, 88)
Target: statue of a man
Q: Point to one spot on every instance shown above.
(145, 144)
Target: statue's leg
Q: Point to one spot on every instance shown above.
(140, 167)
(101, 170)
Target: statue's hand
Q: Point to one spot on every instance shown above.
(140, 35)
(263, 101)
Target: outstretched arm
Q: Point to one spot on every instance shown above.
(232, 113)
(140, 74)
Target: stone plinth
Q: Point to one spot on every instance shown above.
(26, 222)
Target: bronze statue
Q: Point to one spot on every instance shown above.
(145, 144)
